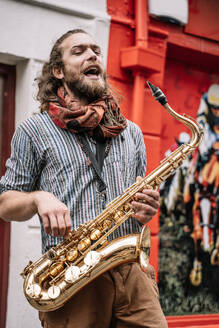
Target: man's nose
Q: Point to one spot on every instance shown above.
(91, 55)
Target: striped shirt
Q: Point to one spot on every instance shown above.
(46, 157)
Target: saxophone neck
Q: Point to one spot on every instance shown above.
(195, 128)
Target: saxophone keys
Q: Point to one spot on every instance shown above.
(92, 258)
(51, 254)
(56, 269)
(72, 273)
(43, 277)
(175, 165)
(84, 244)
(33, 290)
(27, 269)
(127, 207)
(54, 292)
(72, 255)
(107, 224)
(95, 234)
(148, 186)
(118, 215)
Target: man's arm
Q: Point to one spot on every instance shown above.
(23, 170)
(17, 206)
(21, 206)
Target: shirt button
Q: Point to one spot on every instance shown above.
(103, 195)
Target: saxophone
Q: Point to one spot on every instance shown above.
(66, 268)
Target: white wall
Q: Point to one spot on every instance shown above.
(28, 29)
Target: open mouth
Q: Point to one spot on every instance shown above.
(92, 72)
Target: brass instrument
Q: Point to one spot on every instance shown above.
(65, 269)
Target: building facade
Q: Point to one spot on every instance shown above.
(174, 46)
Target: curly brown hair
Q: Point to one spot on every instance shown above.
(47, 82)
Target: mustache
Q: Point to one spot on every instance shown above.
(93, 66)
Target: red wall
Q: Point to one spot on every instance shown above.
(181, 63)
(184, 85)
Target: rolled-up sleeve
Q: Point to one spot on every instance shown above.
(22, 169)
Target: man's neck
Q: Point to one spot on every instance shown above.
(83, 101)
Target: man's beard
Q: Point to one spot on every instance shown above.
(82, 87)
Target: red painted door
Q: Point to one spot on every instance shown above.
(7, 108)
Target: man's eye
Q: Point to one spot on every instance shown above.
(77, 51)
(97, 51)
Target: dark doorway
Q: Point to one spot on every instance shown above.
(7, 115)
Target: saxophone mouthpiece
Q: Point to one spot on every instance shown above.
(157, 93)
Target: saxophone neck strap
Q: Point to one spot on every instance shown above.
(96, 161)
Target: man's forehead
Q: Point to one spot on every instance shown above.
(78, 39)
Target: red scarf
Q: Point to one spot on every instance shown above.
(95, 118)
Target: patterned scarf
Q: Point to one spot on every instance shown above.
(101, 118)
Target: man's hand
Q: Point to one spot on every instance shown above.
(146, 204)
(54, 214)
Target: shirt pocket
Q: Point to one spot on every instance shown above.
(122, 155)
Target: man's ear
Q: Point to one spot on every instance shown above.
(58, 73)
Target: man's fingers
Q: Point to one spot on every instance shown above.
(146, 204)
(54, 213)
(46, 224)
(147, 199)
(68, 223)
(57, 225)
(142, 218)
(50, 224)
(61, 224)
(145, 208)
(152, 193)
(54, 225)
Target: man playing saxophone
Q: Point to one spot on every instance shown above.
(51, 172)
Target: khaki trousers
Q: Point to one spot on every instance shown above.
(120, 298)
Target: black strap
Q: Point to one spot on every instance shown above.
(97, 162)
